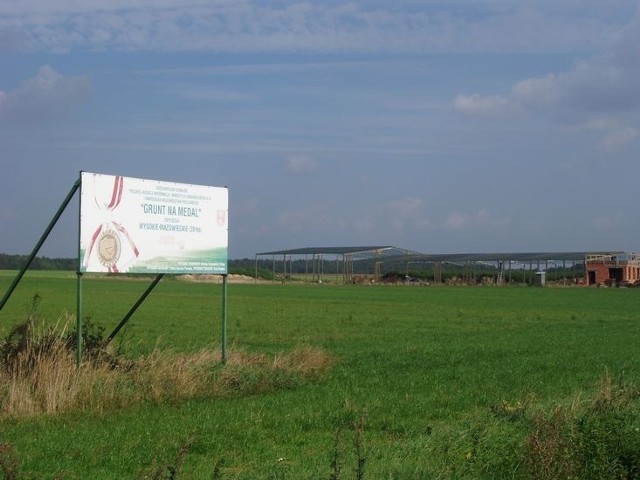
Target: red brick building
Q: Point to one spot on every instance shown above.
(612, 269)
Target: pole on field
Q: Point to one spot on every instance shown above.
(79, 282)
(224, 319)
(79, 319)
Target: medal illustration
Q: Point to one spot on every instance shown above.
(109, 249)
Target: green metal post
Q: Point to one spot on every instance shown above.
(79, 282)
(44, 236)
(224, 319)
(79, 320)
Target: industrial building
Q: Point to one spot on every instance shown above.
(612, 269)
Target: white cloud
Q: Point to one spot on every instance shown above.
(535, 92)
(316, 218)
(7, 213)
(214, 95)
(602, 123)
(406, 207)
(619, 138)
(248, 206)
(606, 82)
(481, 218)
(458, 220)
(606, 222)
(47, 95)
(410, 215)
(364, 224)
(252, 25)
(616, 135)
(604, 85)
(12, 39)
(481, 105)
(529, 95)
(405, 213)
(301, 164)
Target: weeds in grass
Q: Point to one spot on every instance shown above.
(358, 443)
(39, 373)
(549, 448)
(173, 469)
(217, 469)
(594, 439)
(8, 462)
(28, 343)
(358, 427)
(51, 382)
(336, 457)
(512, 411)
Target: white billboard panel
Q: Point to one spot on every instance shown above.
(147, 226)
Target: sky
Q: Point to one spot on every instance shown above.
(439, 126)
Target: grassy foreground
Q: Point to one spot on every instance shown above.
(430, 383)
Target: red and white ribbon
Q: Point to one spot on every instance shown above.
(116, 198)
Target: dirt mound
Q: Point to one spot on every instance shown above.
(231, 278)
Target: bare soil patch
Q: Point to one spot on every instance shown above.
(231, 278)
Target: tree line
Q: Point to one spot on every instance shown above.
(16, 262)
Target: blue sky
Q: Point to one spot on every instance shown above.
(438, 126)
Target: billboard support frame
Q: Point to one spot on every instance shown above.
(79, 274)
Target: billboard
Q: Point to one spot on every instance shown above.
(133, 225)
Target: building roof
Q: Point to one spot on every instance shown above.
(400, 254)
(502, 257)
(356, 250)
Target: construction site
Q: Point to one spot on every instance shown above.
(379, 264)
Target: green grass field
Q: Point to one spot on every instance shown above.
(424, 384)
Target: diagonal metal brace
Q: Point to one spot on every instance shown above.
(44, 236)
(135, 307)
